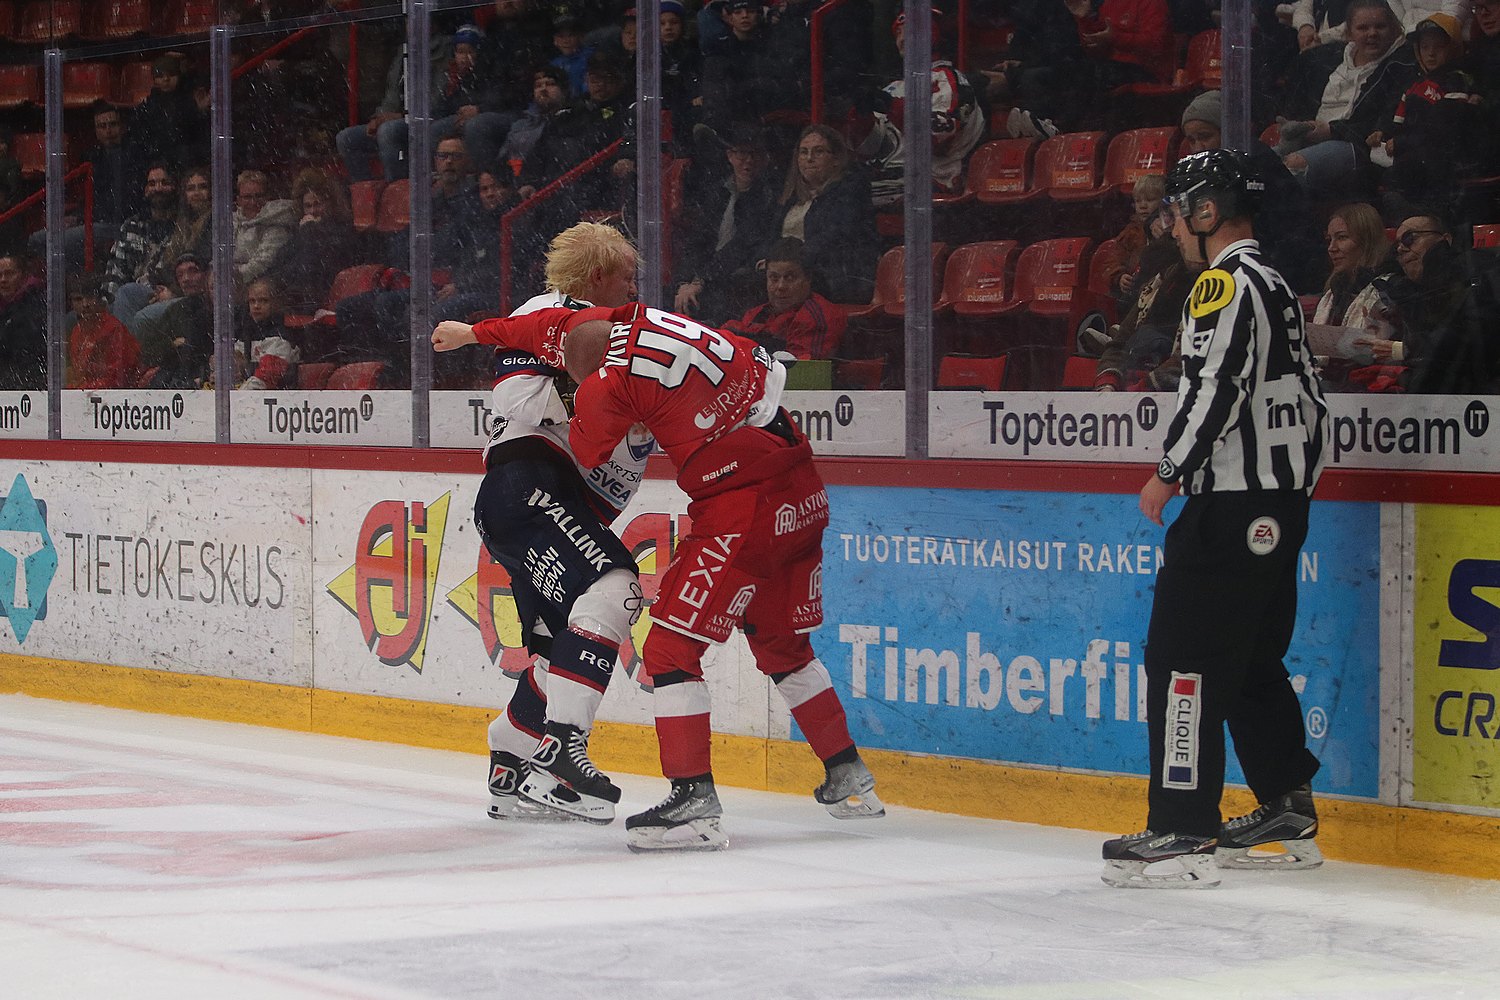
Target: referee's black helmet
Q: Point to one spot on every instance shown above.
(1227, 177)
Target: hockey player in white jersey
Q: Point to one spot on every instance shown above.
(546, 520)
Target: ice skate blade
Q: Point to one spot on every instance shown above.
(514, 809)
(542, 790)
(1300, 855)
(694, 835)
(1191, 871)
(865, 805)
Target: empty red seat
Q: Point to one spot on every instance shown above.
(349, 282)
(20, 85)
(364, 202)
(7, 19)
(193, 17)
(890, 282)
(1079, 371)
(360, 375)
(86, 82)
(30, 151)
(1487, 235)
(49, 21)
(1131, 155)
(976, 282)
(1000, 172)
(394, 213)
(119, 19)
(965, 371)
(1058, 268)
(314, 376)
(133, 84)
(1071, 164)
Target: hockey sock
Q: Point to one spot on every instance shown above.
(581, 666)
(682, 724)
(809, 693)
(519, 727)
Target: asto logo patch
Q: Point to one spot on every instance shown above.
(28, 559)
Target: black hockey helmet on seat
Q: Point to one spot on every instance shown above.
(1227, 177)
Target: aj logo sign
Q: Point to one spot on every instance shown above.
(390, 586)
(28, 559)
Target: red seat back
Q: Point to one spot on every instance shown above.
(1205, 61)
(314, 376)
(364, 202)
(134, 84)
(859, 373)
(30, 150)
(980, 272)
(86, 82)
(46, 22)
(1487, 235)
(1099, 267)
(395, 207)
(194, 16)
(1049, 271)
(890, 277)
(1140, 153)
(1002, 167)
(20, 85)
(119, 19)
(964, 371)
(7, 19)
(1070, 162)
(354, 281)
(1078, 372)
(360, 375)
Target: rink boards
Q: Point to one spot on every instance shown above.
(987, 643)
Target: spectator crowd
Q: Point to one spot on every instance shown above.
(1377, 124)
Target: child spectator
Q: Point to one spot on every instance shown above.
(262, 337)
(793, 317)
(1430, 139)
(572, 55)
(1142, 353)
(101, 352)
(1125, 260)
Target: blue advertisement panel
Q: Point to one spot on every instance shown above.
(1010, 627)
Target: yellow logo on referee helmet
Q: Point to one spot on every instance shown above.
(1211, 292)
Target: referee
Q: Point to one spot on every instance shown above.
(1246, 446)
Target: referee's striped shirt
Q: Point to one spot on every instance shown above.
(1250, 414)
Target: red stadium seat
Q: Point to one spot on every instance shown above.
(348, 282)
(1000, 172)
(364, 202)
(193, 17)
(976, 282)
(86, 82)
(30, 150)
(965, 371)
(1070, 164)
(360, 375)
(1098, 282)
(890, 282)
(1487, 235)
(113, 19)
(1058, 270)
(1131, 156)
(858, 373)
(1079, 371)
(1205, 60)
(133, 85)
(314, 376)
(7, 19)
(394, 214)
(20, 85)
(50, 21)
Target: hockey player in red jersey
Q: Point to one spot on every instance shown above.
(753, 559)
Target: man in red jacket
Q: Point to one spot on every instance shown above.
(753, 558)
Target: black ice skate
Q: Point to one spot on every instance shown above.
(686, 820)
(1290, 820)
(1148, 860)
(563, 778)
(507, 774)
(849, 791)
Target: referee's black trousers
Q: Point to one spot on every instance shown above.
(1221, 621)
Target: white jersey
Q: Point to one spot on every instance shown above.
(526, 403)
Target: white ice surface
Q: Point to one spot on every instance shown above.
(156, 857)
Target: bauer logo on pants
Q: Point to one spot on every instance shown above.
(1184, 708)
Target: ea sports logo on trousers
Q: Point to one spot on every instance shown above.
(1263, 535)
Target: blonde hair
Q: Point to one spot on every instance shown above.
(1368, 232)
(1153, 186)
(578, 253)
(256, 176)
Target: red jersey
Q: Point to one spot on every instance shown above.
(689, 384)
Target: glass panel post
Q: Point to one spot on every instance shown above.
(222, 154)
(648, 165)
(917, 182)
(1236, 57)
(57, 268)
(422, 144)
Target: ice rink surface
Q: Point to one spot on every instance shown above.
(158, 857)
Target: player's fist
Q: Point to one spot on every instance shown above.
(450, 335)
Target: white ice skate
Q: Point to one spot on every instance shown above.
(1290, 821)
(1148, 860)
(562, 778)
(848, 792)
(686, 820)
